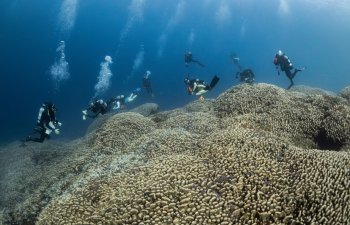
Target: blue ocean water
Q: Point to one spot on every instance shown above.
(153, 35)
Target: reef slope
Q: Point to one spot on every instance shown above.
(255, 155)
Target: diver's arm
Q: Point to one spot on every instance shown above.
(51, 125)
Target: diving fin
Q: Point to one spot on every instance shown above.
(214, 81)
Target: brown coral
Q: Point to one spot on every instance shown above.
(345, 93)
(195, 122)
(252, 159)
(117, 131)
(238, 176)
(304, 119)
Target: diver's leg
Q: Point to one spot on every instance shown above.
(291, 84)
(295, 72)
(290, 77)
(298, 70)
(40, 140)
(201, 92)
(199, 63)
(150, 91)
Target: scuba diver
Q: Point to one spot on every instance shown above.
(246, 75)
(235, 59)
(97, 107)
(46, 123)
(285, 65)
(147, 83)
(198, 87)
(189, 58)
(120, 100)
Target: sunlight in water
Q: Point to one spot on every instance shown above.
(67, 15)
(173, 21)
(223, 13)
(136, 9)
(138, 61)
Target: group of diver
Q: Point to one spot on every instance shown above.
(48, 123)
(101, 107)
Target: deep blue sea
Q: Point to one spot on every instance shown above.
(153, 35)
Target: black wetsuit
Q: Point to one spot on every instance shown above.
(47, 116)
(195, 82)
(192, 85)
(98, 107)
(147, 85)
(119, 100)
(189, 59)
(286, 66)
(246, 76)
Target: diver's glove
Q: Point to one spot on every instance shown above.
(59, 123)
(48, 131)
(57, 131)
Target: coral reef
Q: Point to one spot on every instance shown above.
(31, 175)
(195, 122)
(146, 109)
(301, 118)
(236, 176)
(200, 106)
(345, 93)
(311, 91)
(119, 130)
(255, 155)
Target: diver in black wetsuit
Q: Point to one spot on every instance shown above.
(199, 87)
(189, 59)
(246, 76)
(285, 65)
(46, 123)
(97, 107)
(120, 100)
(146, 83)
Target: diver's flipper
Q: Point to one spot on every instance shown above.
(214, 81)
